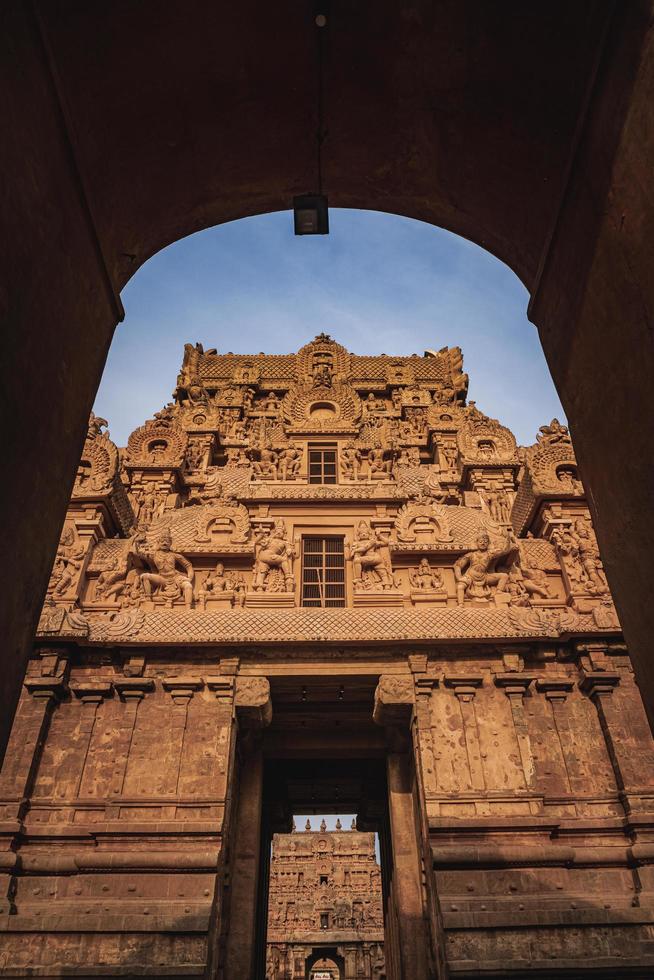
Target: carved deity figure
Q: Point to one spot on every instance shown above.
(524, 583)
(426, 579)
(150, 505)
(266, 466)
(196, 393)
(379, 466)
(166, 579)
(236, 583)
(367, 557)
(475, 571)
(214, 583)
(350, 461)
(68, 562)
(112, 582)
(237, 431)
(248, 398)
(290, 461)
(373, 404)
(322, 370)
(447, 455)
(586, 551)
(566, 477)
(499, 505)
(486, 449)
(271, 403)
(272, 550)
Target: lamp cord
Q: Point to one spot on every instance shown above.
(320, 135)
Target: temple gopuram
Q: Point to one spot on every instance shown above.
(325, 906)
(327, 583)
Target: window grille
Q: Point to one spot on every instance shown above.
(322, 464)
(323, 572)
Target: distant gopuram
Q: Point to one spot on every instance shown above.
(325, 907)
(325, 583)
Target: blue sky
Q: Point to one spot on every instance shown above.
(377, 283)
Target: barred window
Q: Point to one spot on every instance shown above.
(323, 572)
(322, 464)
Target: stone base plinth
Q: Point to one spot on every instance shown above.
(269, 600)
(379, 597)
(217, 600)
(428, 597)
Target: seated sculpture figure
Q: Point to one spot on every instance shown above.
(111, 583)
(425, 578)
(214, 583)
(266, 466)
(378, 466)
(366, 556)
(475, 571)
(165, 580)
(273, 550)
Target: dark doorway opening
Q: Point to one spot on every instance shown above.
(331, 902)
(323, 755)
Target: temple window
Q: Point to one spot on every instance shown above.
(322, 464)
(323, 572)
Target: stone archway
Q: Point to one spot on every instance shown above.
(528, 134)
(325, 964)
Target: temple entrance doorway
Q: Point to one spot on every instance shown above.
(323, 964)
(331, 797)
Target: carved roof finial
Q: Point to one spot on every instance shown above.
(307, 825)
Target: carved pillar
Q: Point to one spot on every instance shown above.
(393, 708)
(45, 687)
(599, 685)
(556, 691)
(181, 690)
(465, 687)
(90, 693)
(131, 691)
(253, 712)
(424, 735)
(515, 686)
(350, 956)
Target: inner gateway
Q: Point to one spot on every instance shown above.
(394, 612)
(324, 890)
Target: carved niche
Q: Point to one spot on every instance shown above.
(98, 474)
(99, 463)
(228, 520)
(160, 444)
(424, 523)
(322, 363)
(483, 441)
(318, 408)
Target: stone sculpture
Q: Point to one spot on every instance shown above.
(424, 577)
(475, 571)
(273, 551)
(367, 559)
(165, 580)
